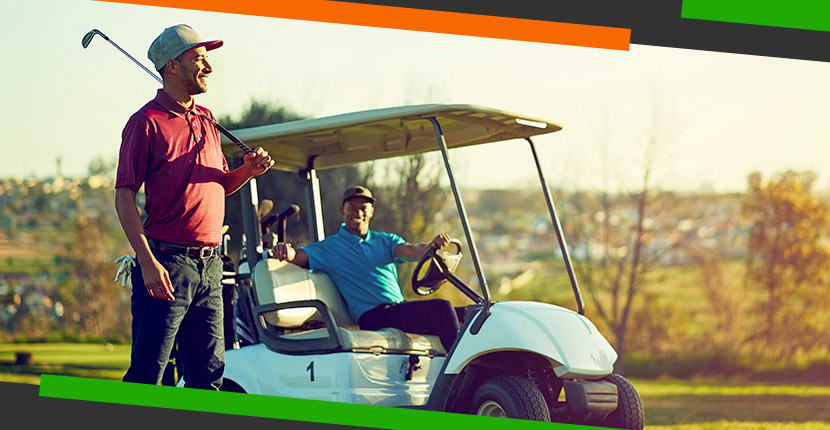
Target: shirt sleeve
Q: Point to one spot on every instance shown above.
(318, 258)
(134, 154)
(394, 242)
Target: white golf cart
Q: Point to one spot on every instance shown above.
(294, 336)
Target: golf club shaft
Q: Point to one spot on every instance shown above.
(130, 57)
(85, 42)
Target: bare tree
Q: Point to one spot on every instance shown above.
(619, 237)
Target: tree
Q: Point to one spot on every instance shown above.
(260, 112)
(788, 260)
(96, 297)
(619, 237)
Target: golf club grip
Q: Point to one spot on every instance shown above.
(245, 148)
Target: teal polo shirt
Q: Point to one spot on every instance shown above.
(362, 269)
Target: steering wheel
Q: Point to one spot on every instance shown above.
(433, 267)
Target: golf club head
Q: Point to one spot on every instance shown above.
(265, 207)
(88, 37)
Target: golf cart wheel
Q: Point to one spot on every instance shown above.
(230, 386)
(629, 413)
(510, 396)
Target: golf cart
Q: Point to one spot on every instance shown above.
(293, 336)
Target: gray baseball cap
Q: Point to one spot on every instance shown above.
(358, 191)
(173, 41)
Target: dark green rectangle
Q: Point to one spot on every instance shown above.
(274, 407)
(800, 14)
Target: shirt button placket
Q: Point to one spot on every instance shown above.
(194, 121)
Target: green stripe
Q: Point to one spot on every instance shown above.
(96, 390)
(801, 14)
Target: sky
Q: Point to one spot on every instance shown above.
(718, 117)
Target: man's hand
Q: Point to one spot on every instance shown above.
(440, 241)
(284, 252)
(258, 162)
(157, 281)
(414, 251)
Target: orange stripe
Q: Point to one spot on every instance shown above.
(414, 19)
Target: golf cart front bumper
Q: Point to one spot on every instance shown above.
(589, 400)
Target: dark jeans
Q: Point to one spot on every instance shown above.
(194, 317)
(436, 317)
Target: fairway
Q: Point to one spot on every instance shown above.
(669, 404)
(684, 405)
(103, 361)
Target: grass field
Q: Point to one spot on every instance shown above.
(82, 360)
(687, 405)
(669, 404)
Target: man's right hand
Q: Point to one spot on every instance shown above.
(157, 281)
(284, 252)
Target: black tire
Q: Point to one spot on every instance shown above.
(629, 414)
(231, 387)
(510, 396)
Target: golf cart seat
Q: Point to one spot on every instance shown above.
(296, 289)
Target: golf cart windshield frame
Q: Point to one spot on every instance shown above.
(469, 124)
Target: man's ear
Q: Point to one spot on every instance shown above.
(172, 66)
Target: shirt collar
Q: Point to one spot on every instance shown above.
(351, 237)
(176, 108)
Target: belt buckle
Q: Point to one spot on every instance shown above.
(206, 252)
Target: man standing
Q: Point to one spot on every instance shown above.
(171, 147)
(361, 263)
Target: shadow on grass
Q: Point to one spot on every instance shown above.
(684, 409)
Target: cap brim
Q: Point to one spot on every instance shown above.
(210, 45)
(371, 199)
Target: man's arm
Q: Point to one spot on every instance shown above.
(414, 251)
(285, 252)
(254, 164)
(156, 279)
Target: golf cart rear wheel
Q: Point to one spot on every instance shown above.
(510, 396)
(629, 413)
(231, 387)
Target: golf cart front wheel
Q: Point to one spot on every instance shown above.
(629, 413)
(510, 396)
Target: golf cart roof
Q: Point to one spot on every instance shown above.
(356, 137)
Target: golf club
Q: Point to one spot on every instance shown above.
(88, 38)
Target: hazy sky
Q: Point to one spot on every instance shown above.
(723, 115)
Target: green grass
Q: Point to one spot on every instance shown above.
(670, 404)
(102, 361)
(705, 405)
(733, 425)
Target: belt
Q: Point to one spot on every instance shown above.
(203, 252)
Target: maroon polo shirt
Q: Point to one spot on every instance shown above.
(175, 152)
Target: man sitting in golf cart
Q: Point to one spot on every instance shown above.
(361, 263)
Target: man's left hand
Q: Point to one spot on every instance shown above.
(258, 162)
(440, 241)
